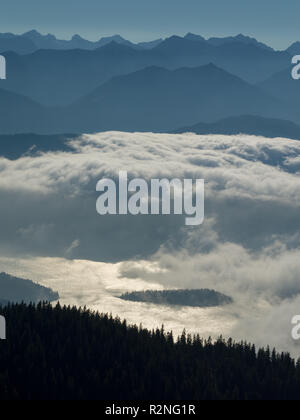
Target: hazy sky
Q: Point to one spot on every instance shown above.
(273, 21)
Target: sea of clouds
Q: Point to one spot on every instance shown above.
(248, 246)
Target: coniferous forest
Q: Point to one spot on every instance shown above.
(74, 354)
(201, 298)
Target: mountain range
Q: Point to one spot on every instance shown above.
(59, 77)
(15, 146)
(282, 86)
(33, 40)
(156, 99)
(247, 124)
(78, 86)
(153, 99)
(17, 44)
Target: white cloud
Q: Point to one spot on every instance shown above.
(248, 247)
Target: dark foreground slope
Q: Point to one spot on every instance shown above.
(66, 353)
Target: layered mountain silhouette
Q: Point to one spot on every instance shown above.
(281, 85)
(59, 77)
(153, 99)
(77, 42)
(156, 99)
(36, 41)
(49, 41)
(54, 77)
(194, 37)
(20, 114)
(239, 38)
(18, 44)
(112, 84)
(247, 124)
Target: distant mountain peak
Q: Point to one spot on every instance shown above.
(173, 43)
(150, 44)
(174, 38)
(77, 37)
(294, 48)
(115, 46)
(192, 37)
(118, 37)
(241, 36)
(296, 43)
(33, 32)
(247, 124)
(34, 35)
(238, 38)
(118, 49)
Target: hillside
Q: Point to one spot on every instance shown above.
(247, 124)
(282, 86)
(14, 289)
(71, 354)
(15, 146)
(20, 114)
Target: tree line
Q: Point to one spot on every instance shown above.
(194, 298)
(68, 353)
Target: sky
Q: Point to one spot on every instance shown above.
(272, 21)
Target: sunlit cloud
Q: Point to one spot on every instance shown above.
(247, 248)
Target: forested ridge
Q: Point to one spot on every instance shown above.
(70, 353)
(195, 298)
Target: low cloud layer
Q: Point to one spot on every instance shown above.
(248, 246)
